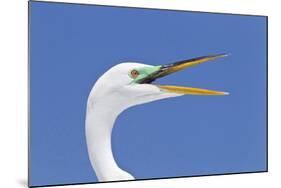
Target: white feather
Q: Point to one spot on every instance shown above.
(112, 94)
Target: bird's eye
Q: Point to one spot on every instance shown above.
(134, 73)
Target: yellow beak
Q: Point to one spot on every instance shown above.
(186, 64)
(190, 90)
(181, 65)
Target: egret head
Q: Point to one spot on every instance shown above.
(129, 84)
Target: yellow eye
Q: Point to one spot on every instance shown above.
(134, 73)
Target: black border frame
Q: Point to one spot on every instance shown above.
(160, 178)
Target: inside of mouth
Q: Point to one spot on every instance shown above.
(148, 80)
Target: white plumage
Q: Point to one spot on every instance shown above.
(123, 86)
(112, 94)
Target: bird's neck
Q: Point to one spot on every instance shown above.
(99, 124)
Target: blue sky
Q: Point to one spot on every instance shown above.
(72, 45)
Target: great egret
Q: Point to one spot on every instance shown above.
(123, 86)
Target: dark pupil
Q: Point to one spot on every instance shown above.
(134, 73)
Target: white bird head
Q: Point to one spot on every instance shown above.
(123, 86)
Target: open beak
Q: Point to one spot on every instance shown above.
(165, 70)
